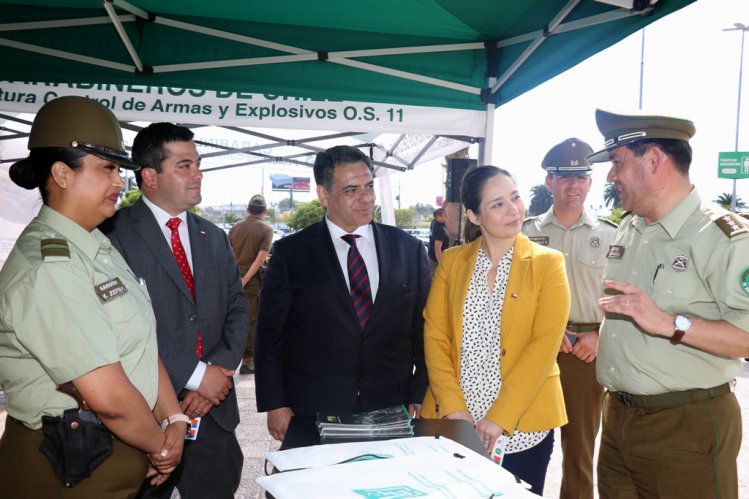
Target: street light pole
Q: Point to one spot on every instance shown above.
(738, 27)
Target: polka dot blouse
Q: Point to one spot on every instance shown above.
(480, 377)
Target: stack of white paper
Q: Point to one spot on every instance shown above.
(402, 468)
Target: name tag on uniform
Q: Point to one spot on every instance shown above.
(616, 252)
(110, 289)
(542, 240)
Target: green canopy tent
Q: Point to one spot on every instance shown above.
(460, 56)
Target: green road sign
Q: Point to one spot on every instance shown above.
(733, 165)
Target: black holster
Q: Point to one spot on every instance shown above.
(75, 446)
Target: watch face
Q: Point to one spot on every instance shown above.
(682, 323)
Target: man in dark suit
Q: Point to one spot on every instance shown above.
(201, 310)
(319, 346)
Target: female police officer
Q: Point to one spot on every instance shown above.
(73, 318)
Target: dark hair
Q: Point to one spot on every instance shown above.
(35, 170)
(471, 190)
(255, 209)
(679, 150)
(148, 145)
(328, 160)
(439, 211)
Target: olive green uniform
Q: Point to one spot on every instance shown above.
(584, 246)
(248, 238)
(68, 305)
(695, 262)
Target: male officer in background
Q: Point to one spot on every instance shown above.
(251, 240)
(584, 239)
(677, 319)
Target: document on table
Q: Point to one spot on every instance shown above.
(402, 468)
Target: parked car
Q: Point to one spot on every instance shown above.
(420, 234)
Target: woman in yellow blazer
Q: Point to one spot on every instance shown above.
(495, 318)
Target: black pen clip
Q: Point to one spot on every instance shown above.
(657, 269)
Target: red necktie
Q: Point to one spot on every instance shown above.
(181, 257)
(361, 293)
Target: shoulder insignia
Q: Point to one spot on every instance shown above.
(609, 222)
(55, 250)
(731, 224)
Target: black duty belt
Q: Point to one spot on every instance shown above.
(671, 398)
(583, 327)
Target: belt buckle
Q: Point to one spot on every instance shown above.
(624, 398)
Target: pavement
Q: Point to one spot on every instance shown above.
(255, 441)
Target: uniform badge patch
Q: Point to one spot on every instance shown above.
(744, 280)
(595, 242)
(542, 240)
(54, 249)
(110, 289)
(680, 263)
(616, 252)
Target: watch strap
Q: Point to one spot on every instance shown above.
(174, 418)
(676, 338)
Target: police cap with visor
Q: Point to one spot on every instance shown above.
(82, 124)
(568, 159)
(622, 129)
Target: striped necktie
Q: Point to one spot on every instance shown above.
(361, 293)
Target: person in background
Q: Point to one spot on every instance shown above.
(76, 326)
(251, 240)
(340, 326)
(439, 239)
(201, 310)
(495, 318)
(676, 320)
(584, 240)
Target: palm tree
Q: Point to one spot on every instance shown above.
(611, 196)
(540, 200)
(725, 199)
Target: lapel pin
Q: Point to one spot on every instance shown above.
(202, 233)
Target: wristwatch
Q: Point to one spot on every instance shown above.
(681, 326)
(174, 418)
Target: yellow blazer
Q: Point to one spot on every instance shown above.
(534, 316)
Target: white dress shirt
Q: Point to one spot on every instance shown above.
(366, 246)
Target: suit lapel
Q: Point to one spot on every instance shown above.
(148, 229)
(385, 260)
(326, 256)
(199, 250)
(519, 268)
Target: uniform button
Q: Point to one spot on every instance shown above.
(74, 425)
(503, 352)
(193, 318)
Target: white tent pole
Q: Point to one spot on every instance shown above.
(123, 36)
(131, 8)
(66, 23)
(408, 76)
(65, 55)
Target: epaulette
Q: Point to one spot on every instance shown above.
(54, 250)
(731, 224)
(609, 222)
